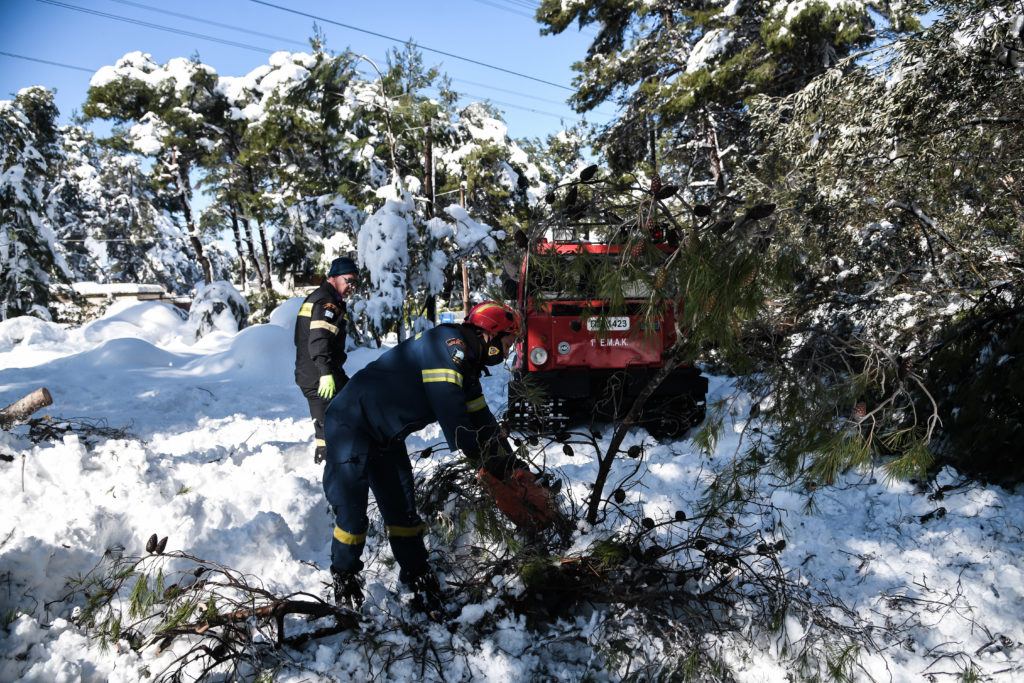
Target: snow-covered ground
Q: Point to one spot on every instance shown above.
(223, 466)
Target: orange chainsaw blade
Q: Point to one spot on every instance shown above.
(521, 499)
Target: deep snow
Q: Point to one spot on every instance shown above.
(223, 466)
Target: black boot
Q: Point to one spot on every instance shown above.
(320, 454)
(427, 595)
(348, 589)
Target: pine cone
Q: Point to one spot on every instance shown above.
(666, 192)
(748, 278)
(655, 183)
(860, 411)
(637, 250)
(711, 302)
(660, 278)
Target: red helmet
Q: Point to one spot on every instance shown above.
(495, 318)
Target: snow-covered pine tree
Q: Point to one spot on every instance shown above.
(496, 178)
(29, 254)
(299, 165)
(70, 206)
(173, 109)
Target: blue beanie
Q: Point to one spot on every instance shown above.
(342, 266)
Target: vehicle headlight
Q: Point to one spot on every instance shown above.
(538, 355)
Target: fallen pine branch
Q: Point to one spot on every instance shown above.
(276, 610)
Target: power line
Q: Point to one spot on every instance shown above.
(289, 40)
(538, 111)
(137, 22)
(403, 42)
(532, 6)
(531, 14)
(510, 92)
(518, 106)
(47, 61)
(230, 27)
(505, 8)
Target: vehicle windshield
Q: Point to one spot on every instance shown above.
(585, 277)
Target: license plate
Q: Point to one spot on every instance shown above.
(614, 324)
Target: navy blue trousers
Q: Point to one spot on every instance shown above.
(355, 466)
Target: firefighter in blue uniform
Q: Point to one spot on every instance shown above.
(434, 377)
(320, 344)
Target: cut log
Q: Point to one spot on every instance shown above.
(19, 411)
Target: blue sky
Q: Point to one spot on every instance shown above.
(41, 40)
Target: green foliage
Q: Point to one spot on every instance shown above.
(705, 438)
(140, 599)
(978, 387)
(261, 305)
(609, 553)
(898, 182)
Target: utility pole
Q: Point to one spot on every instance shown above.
(428, 189)
(428, 173)
(465, 273)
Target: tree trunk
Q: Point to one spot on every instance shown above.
(184, 192)
(251, 182)
(242, 274)
(19, 411)
(717, 174)
(266, 255)
(256, 267)
(653, 142)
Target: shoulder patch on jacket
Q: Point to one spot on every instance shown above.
(457, 348)
(330, 311)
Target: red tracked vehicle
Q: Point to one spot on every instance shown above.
(582, 358)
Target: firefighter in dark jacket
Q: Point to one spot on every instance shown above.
(433, 377)
(320, 344)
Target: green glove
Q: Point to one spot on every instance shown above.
(327, 388)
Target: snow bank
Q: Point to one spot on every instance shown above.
(224, 468)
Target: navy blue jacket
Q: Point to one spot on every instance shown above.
(433, 377)
(320, 337)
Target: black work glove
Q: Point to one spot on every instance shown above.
(501, 465)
